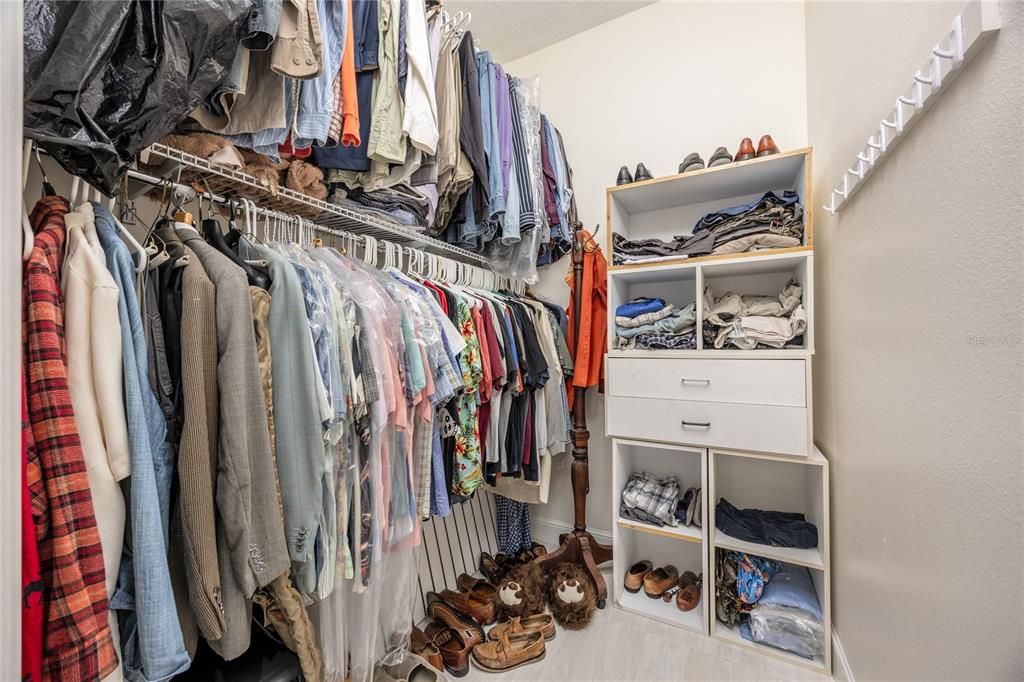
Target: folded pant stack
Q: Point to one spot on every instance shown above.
(772, 222)
(653, 324)
(749, 322)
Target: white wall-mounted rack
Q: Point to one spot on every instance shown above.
(971, 29)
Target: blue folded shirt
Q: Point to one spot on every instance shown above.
(640, 306)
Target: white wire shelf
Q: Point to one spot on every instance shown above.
(233, 183)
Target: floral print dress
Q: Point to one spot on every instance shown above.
(468, 475)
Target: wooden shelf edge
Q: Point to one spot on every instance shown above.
(802, 151)
(768, 552)
(739, 257)
(654, 530)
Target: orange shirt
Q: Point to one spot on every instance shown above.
(588, 351)
(349, 100)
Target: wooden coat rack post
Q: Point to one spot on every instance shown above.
(579, 546)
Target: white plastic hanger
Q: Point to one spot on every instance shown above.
(29, 235)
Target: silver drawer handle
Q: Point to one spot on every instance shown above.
(702, 382)
(702, 425)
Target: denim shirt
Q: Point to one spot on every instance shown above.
(151, 643)
(316, 99)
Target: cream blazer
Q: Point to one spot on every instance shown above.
(93, 341)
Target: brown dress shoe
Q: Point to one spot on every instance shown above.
(481, 609)
(510, 651)
(453, 633)
(635, 577)
(659, 580)
(421, 645)
(746, 150)
(766, 147)
(544, 623)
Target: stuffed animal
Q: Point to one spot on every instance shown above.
(306, 178)
(571, 595)
(206, 146)
(521, 592)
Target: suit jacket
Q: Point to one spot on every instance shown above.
(249, 524)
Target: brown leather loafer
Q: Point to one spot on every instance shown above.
(481, 590)
(510, 651)
(659, 580)
(453, 647)
(480, 609)
(635, 577)
(746, 150)
(766, 147)
(544, 623)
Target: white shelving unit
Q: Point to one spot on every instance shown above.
(685, 547)
(738, 421)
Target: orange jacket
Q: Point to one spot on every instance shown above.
(588, 351)
(349, 100)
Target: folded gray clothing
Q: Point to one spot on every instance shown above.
(645, 318)
(400, 202)
(757, 242)
(750, 331)
(676, 323)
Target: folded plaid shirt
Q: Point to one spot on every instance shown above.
(655, 497)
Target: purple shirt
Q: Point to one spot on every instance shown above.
(504, 118)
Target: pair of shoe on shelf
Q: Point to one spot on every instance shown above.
(497, 567)
(721, 156)
(666, 583)
(641, 174)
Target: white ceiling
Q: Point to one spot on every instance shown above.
(513, 28)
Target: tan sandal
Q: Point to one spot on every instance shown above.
(509, 652)
(544, 623)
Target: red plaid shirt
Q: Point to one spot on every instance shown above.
(77, 644)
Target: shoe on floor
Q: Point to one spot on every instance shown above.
(476, 605)
(421, 645)
(746, 150)
(454, 643)
(414, 669)
(544, 623)
(659, 580)
(766, 147)
(642, 173)
(692, 162)
(634, 581)
(509, 651)
(624, 177)
(720, 157)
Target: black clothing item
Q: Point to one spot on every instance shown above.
(471, 133)
(778, 529)
(103, 80)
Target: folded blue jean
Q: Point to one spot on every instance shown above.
(639, 306)
(778, 529)
(678, 322)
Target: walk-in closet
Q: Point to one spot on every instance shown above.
(423, 340)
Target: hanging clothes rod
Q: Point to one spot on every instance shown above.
(278, 225)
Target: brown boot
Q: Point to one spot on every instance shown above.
(746, 150)
(766, 147)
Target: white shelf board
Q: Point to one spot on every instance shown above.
(732, 635)
(776, 172)
(816, 458)
(680, 532)
(751, 263)
(660, 610)
(710, 354)
(810, 558)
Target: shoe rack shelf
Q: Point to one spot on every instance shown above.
(667, 206)
(684, 547)
(738, 422)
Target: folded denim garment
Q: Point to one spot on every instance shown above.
(675, 323)
(778, 529)
(640, 306)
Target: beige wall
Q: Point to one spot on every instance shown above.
(653, 86)
(919, 372)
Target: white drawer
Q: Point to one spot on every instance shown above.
(758, 382)
(736, 426)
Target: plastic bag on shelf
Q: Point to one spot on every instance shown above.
(784, 627)
(103, 80)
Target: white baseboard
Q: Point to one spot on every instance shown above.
(546, 531)
(840, 666)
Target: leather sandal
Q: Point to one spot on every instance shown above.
(422, 646)
(509, 651)
(634, 580)
(544, 623)
(659, 580)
